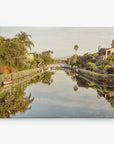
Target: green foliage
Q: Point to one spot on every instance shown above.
(47, 59)
(83, 60)
(91, 65)
(13, 101)
(46, 77)
(102, 63)
(2, 62)
(42, 59)
(95, 54)
(47, 53)
(39, 61)
(72, 60)
(106, 67)
(12, 50)
(90, 62)
(110, 70)
(111, 58)
(24, 38)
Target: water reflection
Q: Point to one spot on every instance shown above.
(46, 77)
(62, 94)
(102, 90)
(13, 98)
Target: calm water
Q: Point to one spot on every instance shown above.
(58, 95)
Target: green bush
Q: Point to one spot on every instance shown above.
(47, 59)
(106, 67)
(110, 70)
(90, 64)
(111, 58)
(2, 62)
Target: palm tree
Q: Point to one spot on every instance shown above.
(24, 38)
(76, 47)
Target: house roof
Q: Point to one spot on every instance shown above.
(103, 49)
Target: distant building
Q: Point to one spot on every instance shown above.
(103, 53)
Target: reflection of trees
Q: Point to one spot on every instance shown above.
(111, 100)
(46, 77)
(82, 82)
(107, 93)
(13, 100)
(69, 73)
(102, 90)
(73, 77)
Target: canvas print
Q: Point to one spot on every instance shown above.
(56, 72)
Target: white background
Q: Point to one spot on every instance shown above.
(56, 13)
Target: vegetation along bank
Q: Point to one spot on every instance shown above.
(20, 74)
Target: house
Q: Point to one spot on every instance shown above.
(103, 53)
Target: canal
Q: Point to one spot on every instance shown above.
(58, 94)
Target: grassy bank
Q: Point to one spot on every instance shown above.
(97, 77)
(20, 74)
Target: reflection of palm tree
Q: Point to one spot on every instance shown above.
(75, 87)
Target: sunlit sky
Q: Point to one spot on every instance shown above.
(62, 39)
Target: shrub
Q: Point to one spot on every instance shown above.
(110, 70)
(2, 62)
(91, 65)
(106, 67)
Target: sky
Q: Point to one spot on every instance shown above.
(61, 40)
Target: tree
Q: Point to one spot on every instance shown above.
(24, 38)
(48, 53)
(72, 60)
(82, 60)
(76, 47)
(12, 51)
(47, 59)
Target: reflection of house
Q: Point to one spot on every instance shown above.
(105, 52)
